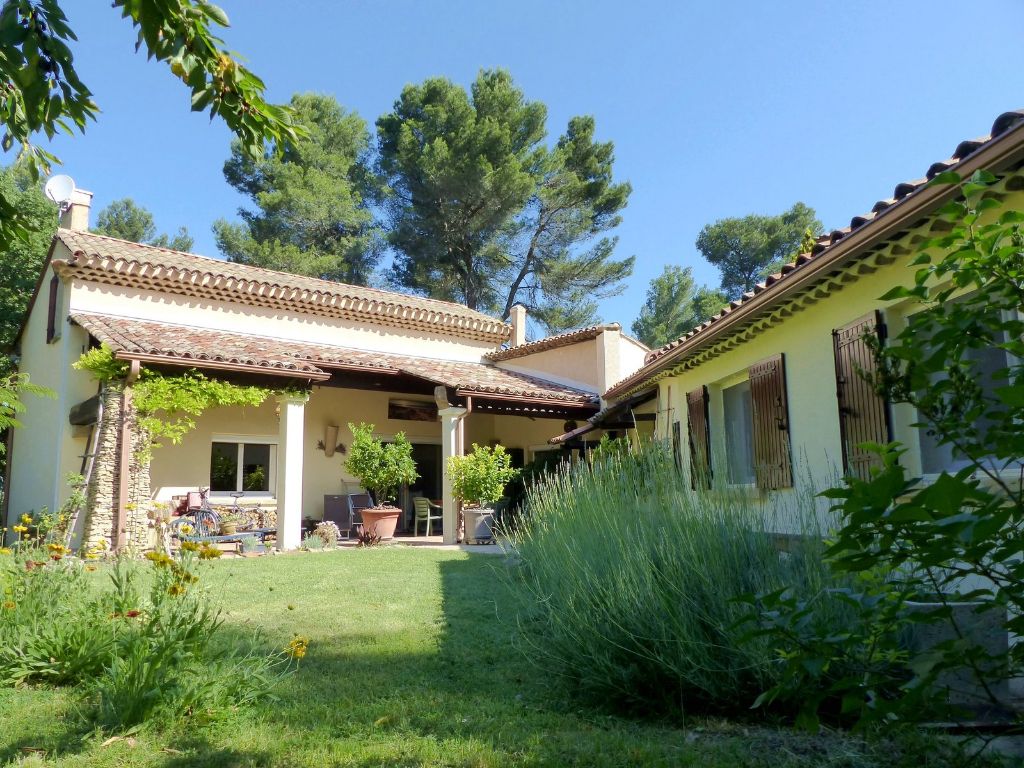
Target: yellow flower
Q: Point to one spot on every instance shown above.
(9, 605)
(26, 519)
(186, 529)
(58, 549)
(90, 568)
(19, 529)
(297, 647)
(5, 550)
(190, 546)
(159, 559)
(175, 589)
(91, 556)
(209, 553)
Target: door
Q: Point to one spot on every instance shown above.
(428, 464)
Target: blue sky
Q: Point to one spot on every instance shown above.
(716, 108)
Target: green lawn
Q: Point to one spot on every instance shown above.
(411, 662)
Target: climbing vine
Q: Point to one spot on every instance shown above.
(167, 405)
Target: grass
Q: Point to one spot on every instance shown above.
(412, 661)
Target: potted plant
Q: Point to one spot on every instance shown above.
(229, 522)
(478, 480)
(381, 469)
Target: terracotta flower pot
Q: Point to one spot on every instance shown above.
(228, 529)
(382, 521)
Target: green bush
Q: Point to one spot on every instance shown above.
(634, 580)
(479, 477)
(380, 468)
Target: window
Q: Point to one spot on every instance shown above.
(739, 434)
(863, 413)
(988, 362)
(238, 466)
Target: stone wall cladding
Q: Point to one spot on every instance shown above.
(101, 495)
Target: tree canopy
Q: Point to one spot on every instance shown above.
(312, 199)
(129, 221)
(748, 249)
(482, 212)
(43, 93)
(23, 258)
(675, 305)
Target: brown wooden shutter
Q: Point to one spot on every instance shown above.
(700, 437)
(772, 463)
(51, 317)
(863, 413)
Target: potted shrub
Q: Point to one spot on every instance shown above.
(381, 469)
(229, 523)
(478, 480)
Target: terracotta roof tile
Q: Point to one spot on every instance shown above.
(777, 282)
(119, 262)
(202, 347)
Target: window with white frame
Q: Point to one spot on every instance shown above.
(246, 466)
(737, 406)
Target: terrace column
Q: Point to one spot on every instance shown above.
(289, 471)
(451, 445)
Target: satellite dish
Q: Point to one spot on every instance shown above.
(60, 189)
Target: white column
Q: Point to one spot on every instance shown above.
(451, 420)
(289, 471)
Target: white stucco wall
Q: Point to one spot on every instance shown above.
(47, 448)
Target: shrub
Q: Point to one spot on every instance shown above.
(329, 533)
(479, 478)
(380, 468)
(135, 657)
(312, 542)
(954, 538)
(634, 581)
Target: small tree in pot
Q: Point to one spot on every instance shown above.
(381, 469)
(478, 480)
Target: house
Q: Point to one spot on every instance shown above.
(766, 396)
(443, 374)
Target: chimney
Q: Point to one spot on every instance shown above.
(76, 214)
(517, 316)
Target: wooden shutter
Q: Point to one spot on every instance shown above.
(51, 317)
(863, 413)
(772, 464)
(700, 437)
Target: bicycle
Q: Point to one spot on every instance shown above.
(197, 521)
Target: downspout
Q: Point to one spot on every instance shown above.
(121, 513)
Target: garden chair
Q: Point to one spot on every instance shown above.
(424, 507)
(357, 502)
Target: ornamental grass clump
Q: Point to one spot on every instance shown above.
(634, 580)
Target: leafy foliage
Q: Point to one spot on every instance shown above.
(13, 388)
(955, 537)
(313, 199)
(675, 306)
(750, 248)
(41, 92)
(480, 477)
(168, 404)
(23, 257)
(128, 221)
(380, 468)
(481, 212)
